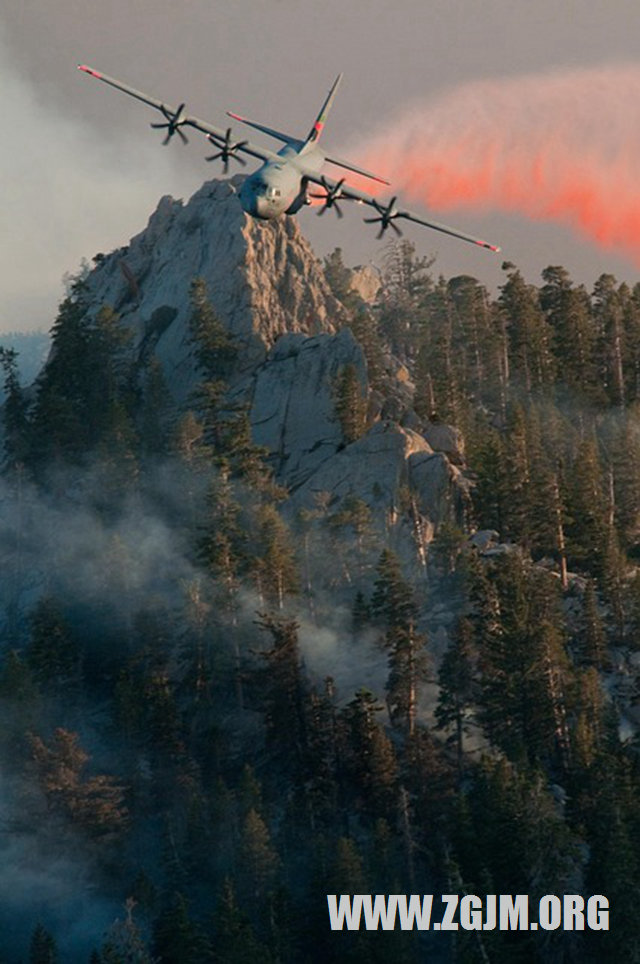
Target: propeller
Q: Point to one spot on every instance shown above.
(331, 195)
(227, 149)
(174, 123)
(387, 217)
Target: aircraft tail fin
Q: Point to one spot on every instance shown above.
(316, 131)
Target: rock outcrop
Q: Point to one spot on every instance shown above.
(270, 292)
(293, 403)
(396, 473)
(262, 277)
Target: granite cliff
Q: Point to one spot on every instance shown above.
(271, 294)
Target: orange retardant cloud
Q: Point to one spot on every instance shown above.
(561, 146)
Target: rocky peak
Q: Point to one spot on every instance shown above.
(270, 292)
(262, 277)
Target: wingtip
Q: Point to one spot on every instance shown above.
(89, 70)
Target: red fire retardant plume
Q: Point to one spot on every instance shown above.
(561, 146)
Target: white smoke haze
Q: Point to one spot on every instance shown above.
(41, 884)
(66, 548)
(114, 566)
(330, 650)
(70, 192)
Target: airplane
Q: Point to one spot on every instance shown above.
(281, 185)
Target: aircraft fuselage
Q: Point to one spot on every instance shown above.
(279, 187)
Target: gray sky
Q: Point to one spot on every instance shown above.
(82, 170)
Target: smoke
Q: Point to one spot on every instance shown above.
(560, 146)
(329, 650)
(104, 567)
(72, 190)
(54, 887)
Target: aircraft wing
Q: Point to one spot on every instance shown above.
(271, 131)
(176, 119)
(387, 214)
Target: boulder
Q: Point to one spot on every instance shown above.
(445, 438)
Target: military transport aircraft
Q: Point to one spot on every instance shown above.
(281, 184)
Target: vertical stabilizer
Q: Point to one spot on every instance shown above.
(316, 130)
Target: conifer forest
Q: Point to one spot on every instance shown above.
(221, 703)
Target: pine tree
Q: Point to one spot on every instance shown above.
(235, 941)
(360, 613)
(42, 949)
(517, 477)
(339, 278)
(213, 346)
(406, 285)
(623, 458)
(350, 404)
(369, 760)
(84, 394)
(530, 356)
(546, 511)
(156, 417)
(64, 413)
(223, 548)
(592, 640)
(518, 837)
(124, 942)
(587, 527)
(281, 692)
(490, 495)
(393, 603)
(525, 675)
(52, 652)
(458, 686)
(439, 394)
(592, 730)
(352, 535)
(609, 309)
(177, 939)
(476, 341)
(259, 859)
(568, 313)
(189, 442)
(244, 459)
(365, 329)
(14, 412)
(632, 344)
(274, 565)
(95, 804)
(111, 341)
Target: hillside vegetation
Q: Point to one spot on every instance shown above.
(232, 684)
